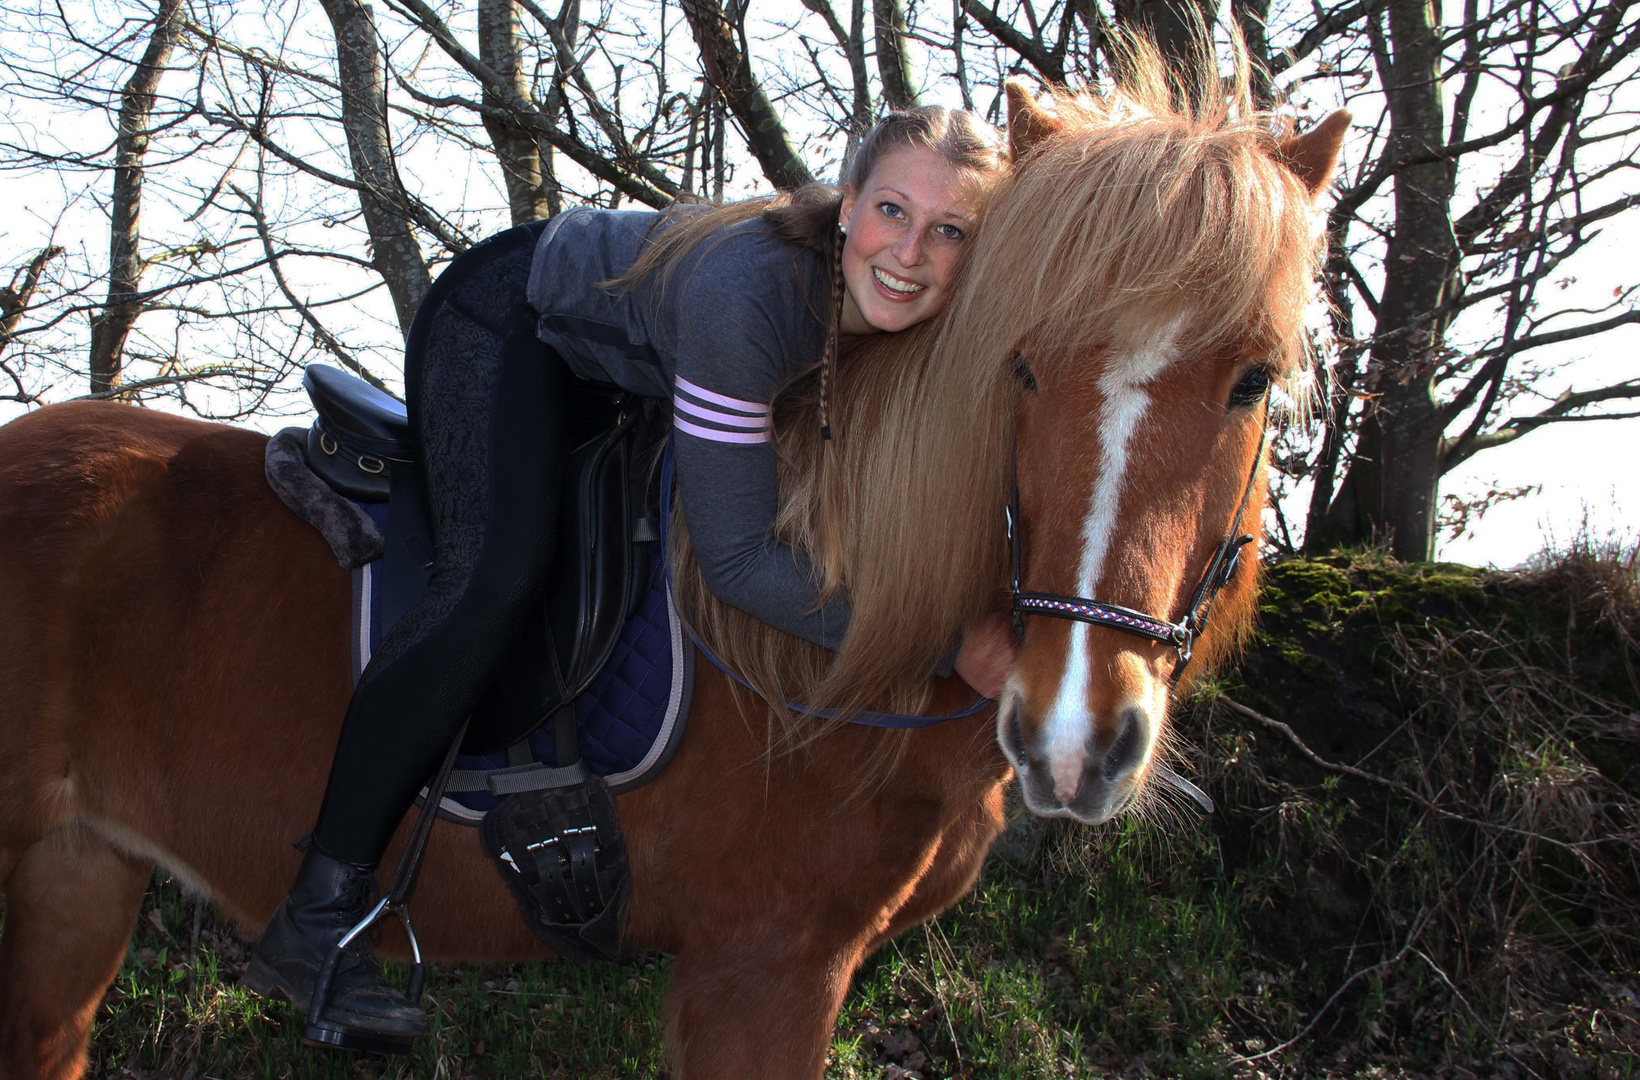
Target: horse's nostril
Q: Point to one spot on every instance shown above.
(1013, 736)
(1125, 749)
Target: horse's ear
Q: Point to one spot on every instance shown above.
(1312, 155)
(1028, 122)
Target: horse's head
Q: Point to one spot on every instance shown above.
(1164, 294)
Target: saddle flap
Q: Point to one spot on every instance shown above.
(597, 576)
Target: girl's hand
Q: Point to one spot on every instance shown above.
(987, 655)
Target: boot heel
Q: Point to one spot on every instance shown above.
(331, 1036)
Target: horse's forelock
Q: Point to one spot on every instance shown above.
(1139, 210)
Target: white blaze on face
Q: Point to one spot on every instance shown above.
(1068, 727)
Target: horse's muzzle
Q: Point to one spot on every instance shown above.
(1090, 780)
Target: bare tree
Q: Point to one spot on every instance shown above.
(111, 326)
(1457, 236)
(1493, 143)
(363, 81)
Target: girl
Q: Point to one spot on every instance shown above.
(714, 308)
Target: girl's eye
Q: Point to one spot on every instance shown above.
(950, 232)
(892, 210)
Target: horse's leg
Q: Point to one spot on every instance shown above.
(71, 902)
(953, 869)
(760, 1008)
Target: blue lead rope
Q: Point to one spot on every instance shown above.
(865, 719)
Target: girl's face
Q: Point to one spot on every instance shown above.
(906, 226)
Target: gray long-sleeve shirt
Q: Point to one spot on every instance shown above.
(740, 316)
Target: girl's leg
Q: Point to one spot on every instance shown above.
(486, 398)
(490, 423)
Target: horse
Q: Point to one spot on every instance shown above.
(172, 637)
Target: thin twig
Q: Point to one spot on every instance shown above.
(1394, 785)
(1336, 994)
(328, 341)
(1482, 1024)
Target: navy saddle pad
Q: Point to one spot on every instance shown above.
(629, 721)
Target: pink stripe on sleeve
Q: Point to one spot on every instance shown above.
(718, 436)
(721, 399)
(754, 423)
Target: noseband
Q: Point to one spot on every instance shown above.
(1221, 569)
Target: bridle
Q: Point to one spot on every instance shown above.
(1221, 569)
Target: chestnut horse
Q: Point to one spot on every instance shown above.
(172, 637)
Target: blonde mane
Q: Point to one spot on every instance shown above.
(1140, 212)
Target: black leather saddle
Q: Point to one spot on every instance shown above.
(361, 445)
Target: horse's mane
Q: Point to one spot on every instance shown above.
(1155, 204)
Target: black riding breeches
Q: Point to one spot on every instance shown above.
(486, 399)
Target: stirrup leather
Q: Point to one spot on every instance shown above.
(318, 1031)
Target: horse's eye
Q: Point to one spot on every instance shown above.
(1250, 388)
(1022, 368)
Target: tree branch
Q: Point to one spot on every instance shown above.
(15, 299)
(1049, 66)
(322, 336)
(730, 70)
(637, 179)
(1557, 413)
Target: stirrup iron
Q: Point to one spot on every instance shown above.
(318, 1031)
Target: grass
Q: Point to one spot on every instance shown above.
(1466, 903)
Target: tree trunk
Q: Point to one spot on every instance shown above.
(394, 251)
(1340, 389)
(1175, 24)
(730, 70)
(893, 55)
(112, 326)
(1251, 18)
(860, 121)
(524, 167)
(1391, 489)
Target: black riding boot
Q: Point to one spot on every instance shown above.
(328, 899)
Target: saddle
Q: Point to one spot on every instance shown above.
(553, 835)
(361, 446)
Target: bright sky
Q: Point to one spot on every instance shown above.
(1586, 470)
